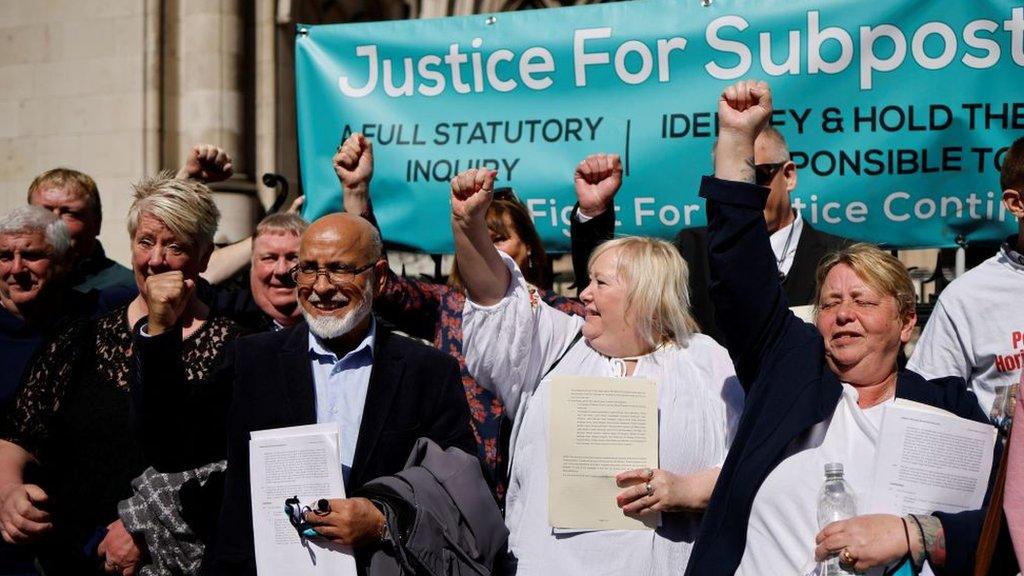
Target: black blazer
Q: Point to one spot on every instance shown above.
(266, 381)
(780, 361)
(799, 284)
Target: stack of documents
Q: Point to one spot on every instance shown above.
(303, 461)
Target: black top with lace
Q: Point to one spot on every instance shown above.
(72, 414)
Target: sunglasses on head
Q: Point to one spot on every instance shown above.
(764, 173)
(505, 193)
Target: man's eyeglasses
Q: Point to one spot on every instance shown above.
(764, 173)
(306, 274)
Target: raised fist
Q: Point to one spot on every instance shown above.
(744, 109)
(206, 163)
(353, 163)
(167, 295)
(472, 191)
(597, 179)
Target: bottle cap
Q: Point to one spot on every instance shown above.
(834, 469)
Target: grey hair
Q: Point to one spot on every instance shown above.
(281, 222)
(186, 207)
(29, 218)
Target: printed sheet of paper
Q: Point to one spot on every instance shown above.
(930, 460)
(599, 427)
(301, 461)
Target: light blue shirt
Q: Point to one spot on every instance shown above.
(341, 387)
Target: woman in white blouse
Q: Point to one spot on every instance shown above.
(637, 324)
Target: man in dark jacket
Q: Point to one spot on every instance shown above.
(341, 366)
(796, 244)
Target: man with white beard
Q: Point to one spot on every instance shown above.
(384, 390)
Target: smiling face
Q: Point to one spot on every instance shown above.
(341, 243)
(274, 253)
(69, 204)
(609, 326)
(26, 266)
(155, 249)
(861, 327)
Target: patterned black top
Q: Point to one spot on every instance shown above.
(72, 414)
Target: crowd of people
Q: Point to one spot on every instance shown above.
(129, 396)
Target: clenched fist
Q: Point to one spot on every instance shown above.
(472, 191)
(597, 179)
(353, 163)
(167, 295)
(206, 163)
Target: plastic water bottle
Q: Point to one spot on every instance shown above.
(835, 502)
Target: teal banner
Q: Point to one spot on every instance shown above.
(897, 113)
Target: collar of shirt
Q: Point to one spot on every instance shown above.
(1011, 253)
(784, 242)
(318, 351)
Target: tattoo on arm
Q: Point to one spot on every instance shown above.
(934, 540)
(748, 172)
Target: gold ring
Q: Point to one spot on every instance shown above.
(649, 489)
(846, 558)
(650, 474)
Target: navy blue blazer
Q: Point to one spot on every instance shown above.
(780, 361)
(265, 381)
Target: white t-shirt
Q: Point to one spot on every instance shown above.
(784, 517)
(977, 332)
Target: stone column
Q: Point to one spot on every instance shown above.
(204, 88)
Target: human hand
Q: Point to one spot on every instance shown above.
(120, 551)
(206, 163)
(350, 521)
(871, 540)
(353, 163)
(21, 519)
(668, 492)
(296, 206)
(744, 109)
(597, 179)
(472, 191)
(167, 295)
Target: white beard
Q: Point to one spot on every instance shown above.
(329, 328)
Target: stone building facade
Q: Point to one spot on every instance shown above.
(122, 88)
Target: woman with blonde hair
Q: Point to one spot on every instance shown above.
(816, 395)
(636, 324)
(71, 418)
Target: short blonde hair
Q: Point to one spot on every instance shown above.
(186, 207)
(658, 292)
(880, 269)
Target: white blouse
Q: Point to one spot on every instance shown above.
(509, 346)
(784, 516)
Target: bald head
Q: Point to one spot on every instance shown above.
(352, 235)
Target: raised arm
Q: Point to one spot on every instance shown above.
(411, 304)
(597, 179)
(484, 275)
(750, 307)
(353, 164)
